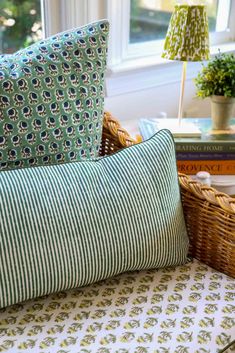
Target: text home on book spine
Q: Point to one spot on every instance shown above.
(205, 146)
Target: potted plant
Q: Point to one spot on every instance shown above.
(217, 81)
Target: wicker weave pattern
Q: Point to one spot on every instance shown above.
(209, 214)
(114, 136)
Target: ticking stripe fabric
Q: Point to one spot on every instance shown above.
(65, 226)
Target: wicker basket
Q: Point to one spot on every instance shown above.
(209, 214)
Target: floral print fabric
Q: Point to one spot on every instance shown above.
(187, 309)
(52, 97)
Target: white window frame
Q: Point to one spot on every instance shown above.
(123, 51)
(129, 68)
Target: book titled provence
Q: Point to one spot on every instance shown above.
(211, 151)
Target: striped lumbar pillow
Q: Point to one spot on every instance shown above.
(68, 225)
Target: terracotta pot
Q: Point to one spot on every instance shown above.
(221, 112)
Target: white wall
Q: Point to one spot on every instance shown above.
(130, 107)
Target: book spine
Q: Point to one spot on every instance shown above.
(203, 156)
(212, 167)
(205, 147)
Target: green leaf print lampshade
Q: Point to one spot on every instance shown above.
(187, 38)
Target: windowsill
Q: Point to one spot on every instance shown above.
(143, 73)
(147, 62)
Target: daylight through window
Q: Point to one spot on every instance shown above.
(149, 19)
(20, 24)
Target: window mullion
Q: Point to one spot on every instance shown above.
(231, 20)
(222, 20)
(50, 17)
(118, 12)
(126, 28)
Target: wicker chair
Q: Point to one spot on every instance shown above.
(209, 214)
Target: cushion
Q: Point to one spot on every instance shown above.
(184, 309)
(51, 99)
(69, 225)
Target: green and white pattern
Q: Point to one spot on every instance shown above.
(188, 309)
(51, 99)
(187, 38)
(69, 225)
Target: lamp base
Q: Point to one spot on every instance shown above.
(184, 130)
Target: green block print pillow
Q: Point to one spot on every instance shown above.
(51, 99)
(68, 225)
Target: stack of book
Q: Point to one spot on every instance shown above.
(217, 158)
(213, 152)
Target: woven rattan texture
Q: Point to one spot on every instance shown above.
(209, 214)
(114, 136)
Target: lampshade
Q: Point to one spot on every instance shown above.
(187, 38)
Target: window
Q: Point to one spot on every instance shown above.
(20, 24)
(137, 33)
(138, 29)
(141, 26)
(149, 19)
